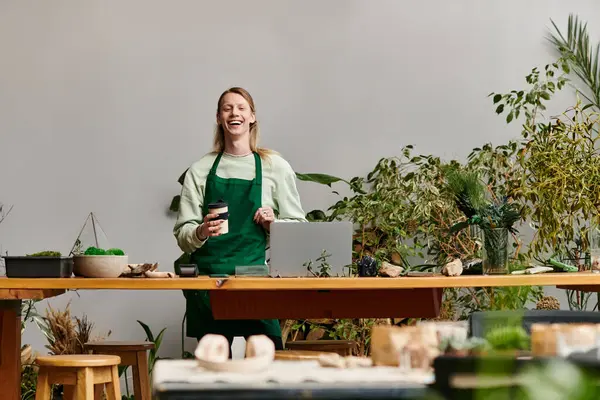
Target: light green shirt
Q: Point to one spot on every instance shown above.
(279, 192)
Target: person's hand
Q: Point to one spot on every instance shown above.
(264, 216)
(210, 227)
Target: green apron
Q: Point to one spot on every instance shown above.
(244, 244)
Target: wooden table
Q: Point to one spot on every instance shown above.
(258, 298)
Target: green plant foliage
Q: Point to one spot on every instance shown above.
(400, 210)
(95, 251)
(508, 338)
(580, 55)
(115, 252)
(157, 340)
(558, 164)
(323, 267)
(29, 375)
(469, 193)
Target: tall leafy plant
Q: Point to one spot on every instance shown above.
(558, 162)
(581, 56)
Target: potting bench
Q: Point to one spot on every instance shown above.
(261, 298)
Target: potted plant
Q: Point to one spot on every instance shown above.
(495, 217)
(99, 263)
(558, 161)
(43, 264)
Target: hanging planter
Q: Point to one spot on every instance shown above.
(95, 262)
(495, 261)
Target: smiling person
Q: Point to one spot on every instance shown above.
(259, 187)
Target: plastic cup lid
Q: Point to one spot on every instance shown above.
(217, 204)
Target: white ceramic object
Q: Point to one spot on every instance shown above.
(108, 266)
(212, 353)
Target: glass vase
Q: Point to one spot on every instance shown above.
(594, 249)
(495, 261)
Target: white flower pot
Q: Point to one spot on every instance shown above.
(100, 266)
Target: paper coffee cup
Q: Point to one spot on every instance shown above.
(220, 208)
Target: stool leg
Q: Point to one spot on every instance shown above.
(113, 388)
(98, 391)
(43, 388)
(85, 384)
(141, 381)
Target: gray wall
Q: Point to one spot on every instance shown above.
(104, 103)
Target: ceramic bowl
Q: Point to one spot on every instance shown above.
(100, 266)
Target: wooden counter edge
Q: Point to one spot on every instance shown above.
(562, 280)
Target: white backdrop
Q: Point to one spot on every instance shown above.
(104, 103)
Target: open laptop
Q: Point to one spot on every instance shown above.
(293, 243)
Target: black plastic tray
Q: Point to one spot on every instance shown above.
(38, 267)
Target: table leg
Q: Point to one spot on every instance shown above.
(10, 349)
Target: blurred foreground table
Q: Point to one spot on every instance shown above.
(183, 379)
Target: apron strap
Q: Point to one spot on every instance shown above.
(258, 166)
(213, 170)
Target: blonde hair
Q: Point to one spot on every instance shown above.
(219, 140)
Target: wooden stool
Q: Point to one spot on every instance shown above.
(342, 347)
(82, 371)
(297, 355)
(132, 354)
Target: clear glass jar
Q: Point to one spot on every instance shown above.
(495, 260)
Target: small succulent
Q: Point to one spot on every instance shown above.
(508, 338)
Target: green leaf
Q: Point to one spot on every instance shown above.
(497, 98)
(499, 109)
(509, 117)
(122, 369)
(159, 338)
(316, 215)
(149, 334)
(587, 106)
(545, 95)
(323, 179)
(459, 226)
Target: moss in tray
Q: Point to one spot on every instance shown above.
(46, 253)
(95, 251)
